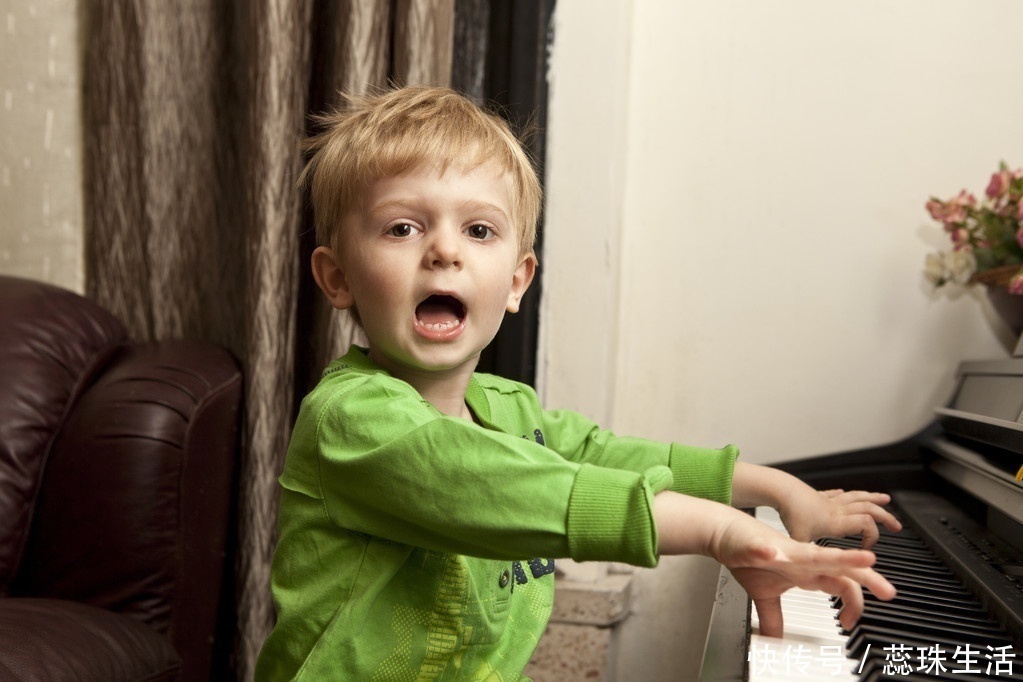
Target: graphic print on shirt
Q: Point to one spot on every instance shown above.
(442, 627)
(537, 567)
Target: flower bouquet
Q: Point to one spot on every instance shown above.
(986, 235)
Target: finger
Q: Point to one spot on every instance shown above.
(770, 615)
(839, 496)
(886, 518)
(850, 592)
(867, 528)
(832, 560)
(877, 512)
(852, 525)
(851, 595)
(877, 584)
(877, 515)
(870, 579)
(863, 495)
(892, 524)
(872, 503)
(861, 519)
(863, 525)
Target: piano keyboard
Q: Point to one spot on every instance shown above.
(933, 630)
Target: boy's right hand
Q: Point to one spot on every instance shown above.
(765, 562)
(768, 570)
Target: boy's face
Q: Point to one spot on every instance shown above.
(431, 261)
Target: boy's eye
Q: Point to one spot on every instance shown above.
(401, 230)
(480, 232)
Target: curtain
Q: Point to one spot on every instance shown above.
(193, 113)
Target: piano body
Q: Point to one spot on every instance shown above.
(958, 564)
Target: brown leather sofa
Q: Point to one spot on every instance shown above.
(116, 469)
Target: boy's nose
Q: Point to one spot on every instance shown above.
(444, 250)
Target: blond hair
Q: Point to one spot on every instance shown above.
(387, 134)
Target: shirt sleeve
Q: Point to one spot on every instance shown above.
(385, 463)
(696, 471)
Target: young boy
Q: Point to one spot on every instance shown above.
(420, 500)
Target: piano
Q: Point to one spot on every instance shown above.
(958, 563)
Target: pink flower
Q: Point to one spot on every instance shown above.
(937, 209)
(1019, 236)
(965, 199)
(952, 211)
(1016, 284)
(1019, 211)
(999, 185)
(960, 239)
(945, 211)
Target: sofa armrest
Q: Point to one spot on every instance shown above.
(52, 345)
(135, 503)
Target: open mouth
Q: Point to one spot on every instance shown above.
(440, 313)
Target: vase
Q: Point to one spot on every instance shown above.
(1008, 307)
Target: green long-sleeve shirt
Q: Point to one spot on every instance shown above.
(408, 539)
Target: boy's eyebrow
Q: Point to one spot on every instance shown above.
(413, 202)
(480, 206)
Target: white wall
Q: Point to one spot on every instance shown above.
(40, 146)
(735, 232)
(735, 227)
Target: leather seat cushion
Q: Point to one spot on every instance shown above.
(52, 639)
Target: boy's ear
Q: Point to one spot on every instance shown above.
(331, 278)
(520, 281)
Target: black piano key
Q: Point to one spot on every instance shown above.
(908, 565)
(924, 555)
(878, 641)
(940, 595)
(933, 586)
(933, 608)
(930, 566)
(962, 603)
(907, 615)
(879, 669)
(865, 632)
(882, 673)
(981, 633)
(906, 572)
(924, 610)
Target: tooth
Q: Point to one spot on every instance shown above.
(439, 326)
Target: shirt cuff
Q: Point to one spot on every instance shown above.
(610, 515)
(703, 472)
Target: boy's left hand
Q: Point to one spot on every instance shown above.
(809, 514)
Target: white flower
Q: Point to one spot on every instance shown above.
(934, 269)
(961, 265)
(953, 266)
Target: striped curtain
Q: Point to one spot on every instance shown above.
(193, 114)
